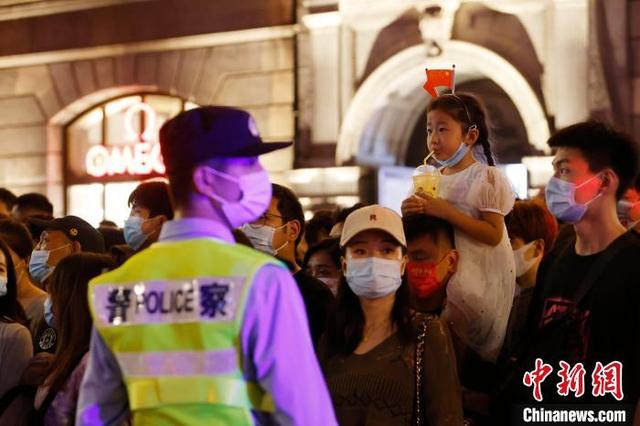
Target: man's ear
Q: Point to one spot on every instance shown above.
(610, 181)
(538, 248)
(153, 224)
(76, 247)
(201, 180)
(293, 230)
(452, 260)
(343, 263)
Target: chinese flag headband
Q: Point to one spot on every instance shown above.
(440, 78)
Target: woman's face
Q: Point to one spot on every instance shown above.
(444, 134)
(374, 243)
(320, 265)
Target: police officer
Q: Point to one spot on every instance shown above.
(197, 329)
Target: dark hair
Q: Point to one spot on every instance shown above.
(331, 246)
(341, 215)
(153, 195)
(467, 110)
(112, 237)
(36, 230)
(180, 186)
(531, 221)
(35, 201)
(107, 224)
(68, 291)
(322, 221)
(10, 308)
(289, 206)
(8, 197)
(17, 236)
(416, 225)
(603, 147)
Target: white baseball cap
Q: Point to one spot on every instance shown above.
(373, 217)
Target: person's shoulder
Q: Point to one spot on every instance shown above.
(630, 252)
(14, 331)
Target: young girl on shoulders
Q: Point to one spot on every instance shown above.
(474, 196)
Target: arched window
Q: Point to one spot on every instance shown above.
(109, 149)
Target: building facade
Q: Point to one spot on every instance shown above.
(85, 84)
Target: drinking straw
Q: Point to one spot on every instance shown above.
(427, 158)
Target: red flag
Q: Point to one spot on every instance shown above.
(439, 78)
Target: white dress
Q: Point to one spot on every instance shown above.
(480, 293)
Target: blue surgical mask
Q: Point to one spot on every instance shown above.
(262, 238)
(372, 277)
(256, 196)
(48, 313)
(133, 235)
(455, 158)
(560, 196)
(3, 285)
(463, 149)
(39, 269)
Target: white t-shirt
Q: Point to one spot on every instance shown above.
(480, 293)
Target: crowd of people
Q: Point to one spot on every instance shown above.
(217, 302)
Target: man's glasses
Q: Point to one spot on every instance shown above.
(262, 220)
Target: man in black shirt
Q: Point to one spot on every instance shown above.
(278, 232)
(61, 238)
(593, 165)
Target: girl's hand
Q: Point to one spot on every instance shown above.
(426, 204)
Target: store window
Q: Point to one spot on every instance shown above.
(110, 149)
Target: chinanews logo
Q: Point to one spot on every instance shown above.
(605, 379)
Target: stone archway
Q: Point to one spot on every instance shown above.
(384, 111)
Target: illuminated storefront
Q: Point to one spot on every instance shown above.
(110, 149)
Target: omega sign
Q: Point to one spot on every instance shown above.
(141, 158)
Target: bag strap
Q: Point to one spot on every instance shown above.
(594, 272)
(418, 368)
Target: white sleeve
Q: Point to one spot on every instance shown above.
(277, 347)
(493, 192)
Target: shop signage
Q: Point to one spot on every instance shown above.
(140, 155)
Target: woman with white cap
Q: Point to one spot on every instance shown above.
(383, 364)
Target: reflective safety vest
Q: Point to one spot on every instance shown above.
(172, 315)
